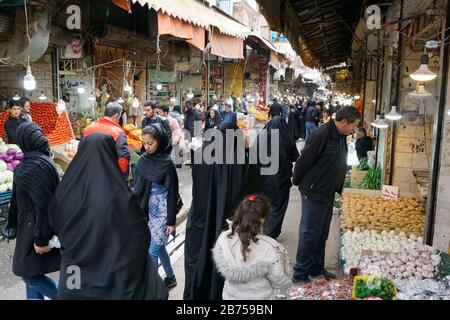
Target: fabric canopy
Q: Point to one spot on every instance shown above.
(192, 34)
(199, 14)
(225, 46)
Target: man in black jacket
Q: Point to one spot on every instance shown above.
(320, 173)
(275, 109)
(14, 121)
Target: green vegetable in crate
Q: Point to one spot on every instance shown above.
(363, 164)
(372, 180)
(371, 286)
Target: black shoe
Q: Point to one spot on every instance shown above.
(301, 281)
(324, 275)
(170, 283)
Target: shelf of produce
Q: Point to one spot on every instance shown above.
(369, 222)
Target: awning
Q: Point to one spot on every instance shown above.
(196, 13)
(266, 42)
(226, 46)
(192, 34)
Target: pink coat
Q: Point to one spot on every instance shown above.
(176, 130)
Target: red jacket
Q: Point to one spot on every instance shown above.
(109, 127)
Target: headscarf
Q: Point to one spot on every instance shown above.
(37, 174)
(217, 119)
(102, 229)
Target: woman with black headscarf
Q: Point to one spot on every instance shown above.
(294, 122)
(103, 232)
(157, 190)
(277, 187)
(35, 181)
(217, 189)
(213, 119)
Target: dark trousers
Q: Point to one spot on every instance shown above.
(313, 234)
(279, 206)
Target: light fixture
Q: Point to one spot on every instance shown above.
(135, 103)
(374, 101)
(173, 99)
(394, 115)
(424, 73)
(159, 86)
(120, 100)
(42, 97)
(60, 107)
(380, 122)
(81, 90)
(190, 94)
(357, 97)
(420, 92)
(16, 97)
(91, 97)
(29, 83)
(448, 112)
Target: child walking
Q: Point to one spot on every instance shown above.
(254, 265)
(157, 190)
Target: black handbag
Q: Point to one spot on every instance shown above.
(179, 203)
(9, 231)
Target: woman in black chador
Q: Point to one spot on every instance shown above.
(217, 190)
(103, 232)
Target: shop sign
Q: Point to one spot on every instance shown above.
(162, 76)
(389, 192)
(277, 37)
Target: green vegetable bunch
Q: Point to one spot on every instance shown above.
(372, 180)
(363, 164)
(134, 157)
(382, 288)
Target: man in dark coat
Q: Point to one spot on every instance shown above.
(320, 173)
(363, 143)
(14, 121)
(275, 109)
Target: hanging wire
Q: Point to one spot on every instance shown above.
(27, 55)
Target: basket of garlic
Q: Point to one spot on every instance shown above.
(355, 242)
(420, 263)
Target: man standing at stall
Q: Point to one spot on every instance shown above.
(14, 121)
(109, 125)
(320, 173)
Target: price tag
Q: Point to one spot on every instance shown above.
(389, 192)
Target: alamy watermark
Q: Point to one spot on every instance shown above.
(374, 18)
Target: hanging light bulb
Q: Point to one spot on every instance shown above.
(60, 107)
(394, 115)
(81, 90)
(380, 123)
(120, 100)
(159, 86)
(29, 83)
(91, 97)
(420, 92)
(16, 97)
(135, 103)
(424, 73)
(42, 97)
(357, 97)
(190, 94)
